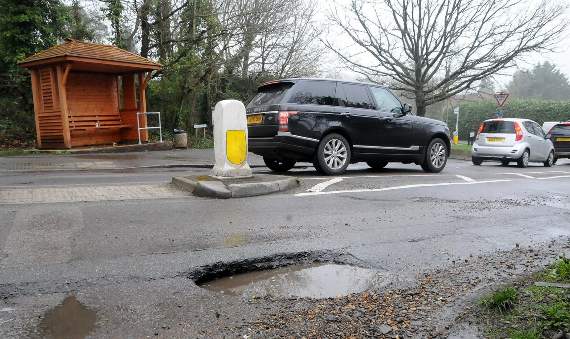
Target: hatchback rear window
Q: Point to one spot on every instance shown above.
(561, 130)
(270, 94)
(498, 127)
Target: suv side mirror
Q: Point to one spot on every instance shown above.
(406, 109)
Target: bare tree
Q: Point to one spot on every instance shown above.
(413, 42)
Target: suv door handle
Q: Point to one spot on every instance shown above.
(385, 119)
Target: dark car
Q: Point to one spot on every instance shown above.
(559, 134)
(333, 123)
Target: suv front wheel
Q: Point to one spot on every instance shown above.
(436, 156)
(333, 154)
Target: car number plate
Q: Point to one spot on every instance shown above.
(562, 139)
(495, 139)
(254, 119)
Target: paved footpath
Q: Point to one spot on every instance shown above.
(113, 161)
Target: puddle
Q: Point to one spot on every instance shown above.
(310, 281)
(69, 320)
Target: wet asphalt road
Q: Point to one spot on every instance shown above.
(128, 259)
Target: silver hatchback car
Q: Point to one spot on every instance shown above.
(508, 140)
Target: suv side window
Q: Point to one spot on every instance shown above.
(385, 101)
(356, 96)
(315, 93)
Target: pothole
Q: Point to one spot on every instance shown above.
(301, 275)
(69, 320)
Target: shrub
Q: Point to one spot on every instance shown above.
(557, 316)
(471, 114)
(562, 268)
(501, 300)
(526, 334)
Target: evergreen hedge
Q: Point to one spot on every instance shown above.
(471, 114)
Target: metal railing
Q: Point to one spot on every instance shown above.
(139, 128)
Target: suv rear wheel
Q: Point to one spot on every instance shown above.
(278, 165)
(333, 154)
(436, 156)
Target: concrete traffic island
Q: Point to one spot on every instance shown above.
(225, 188)
(231, 176)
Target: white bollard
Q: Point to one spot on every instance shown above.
(230, 140)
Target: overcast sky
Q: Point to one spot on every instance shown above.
(561, 58)
(334, 68)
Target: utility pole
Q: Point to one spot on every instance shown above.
(456, 133)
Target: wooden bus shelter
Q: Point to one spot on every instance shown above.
(88, 94)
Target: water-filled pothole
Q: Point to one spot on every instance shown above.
(69, 320)
(314, 280)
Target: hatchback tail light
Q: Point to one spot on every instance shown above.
(518, 132)
(284, 120)
(480, 130)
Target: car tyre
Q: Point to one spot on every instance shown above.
(377, 164)
(476, 161)
(550, 160)
(278, 165)
(436, 156)
(333, 154)
(523, 160)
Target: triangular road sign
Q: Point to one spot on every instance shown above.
(501, 98)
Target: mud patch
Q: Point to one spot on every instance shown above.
(69, 320)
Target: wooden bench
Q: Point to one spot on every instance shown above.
(99, 121)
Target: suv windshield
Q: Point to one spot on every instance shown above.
(270, 94)
(498, 127)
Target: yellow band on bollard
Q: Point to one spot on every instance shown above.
(456, 139)
(236, 146)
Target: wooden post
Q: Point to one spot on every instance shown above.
(62, 72)
(37, 104)
(142, 105)
(129, 92)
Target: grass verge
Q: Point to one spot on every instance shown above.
(462, 150)
(528, 311)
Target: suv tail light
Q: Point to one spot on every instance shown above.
(284, 120)
(518, 132)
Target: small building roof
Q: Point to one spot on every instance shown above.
(107, 57)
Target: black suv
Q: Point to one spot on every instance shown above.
(333, 123)
(560, 136)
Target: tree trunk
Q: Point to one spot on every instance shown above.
(420, 103)
(145, 29)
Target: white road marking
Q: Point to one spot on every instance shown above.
(6, 309)
(538, 172)
(556, 177)
(465, 178)
(321, 186)
(377, 176)
(394, 188)
(520, 175)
